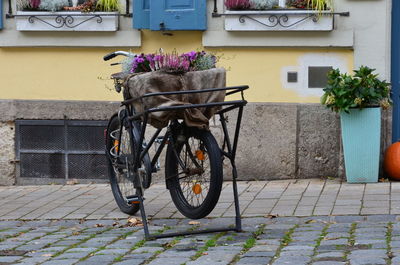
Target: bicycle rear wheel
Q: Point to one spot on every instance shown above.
(120, 165)
(193, 169)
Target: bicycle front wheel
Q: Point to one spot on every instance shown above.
(193, 169)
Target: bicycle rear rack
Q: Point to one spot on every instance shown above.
(230, 152)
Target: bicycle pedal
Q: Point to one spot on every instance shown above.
(133, 199)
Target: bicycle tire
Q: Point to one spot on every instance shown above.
(120, 163)
(187, 192)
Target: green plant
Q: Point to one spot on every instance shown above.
(318, 5)
(107, 5)
(250, 242)
(361, 90)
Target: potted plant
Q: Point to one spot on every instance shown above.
(359, 98)
(163, 72)
(278, 15)
(59, 15)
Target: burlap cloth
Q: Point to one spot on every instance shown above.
(152, 82)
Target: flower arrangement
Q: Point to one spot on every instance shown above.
(173, 62)
(238, 4)
(53, 5)
(57, 5)
(251, 4)
(361, 90)
(318, 5)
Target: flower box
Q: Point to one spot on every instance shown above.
(66, 21)
(278, 20)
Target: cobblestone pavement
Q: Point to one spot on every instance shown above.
(257, 198)
(321, 222)
(324, 240)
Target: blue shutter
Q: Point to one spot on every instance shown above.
(178, 15)
(141, 14)
(1, 14)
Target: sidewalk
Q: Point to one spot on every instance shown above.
(313, 197)
(44, 225)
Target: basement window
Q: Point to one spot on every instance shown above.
(53, 151)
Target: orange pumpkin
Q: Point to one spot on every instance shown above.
(391, 163)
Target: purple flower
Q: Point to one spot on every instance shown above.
(191, 55)
(238, 4)
(170, 62)
(35, 3)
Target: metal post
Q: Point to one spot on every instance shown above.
(238, 219)
(144, 218)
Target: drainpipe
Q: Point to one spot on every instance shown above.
(395, 69)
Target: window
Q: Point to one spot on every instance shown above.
(170, 14)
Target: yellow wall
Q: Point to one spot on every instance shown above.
(80, 73)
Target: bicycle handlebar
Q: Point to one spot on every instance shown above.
(114, 54)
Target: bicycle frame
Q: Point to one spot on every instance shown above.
(228, 148)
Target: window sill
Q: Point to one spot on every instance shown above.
(278, 20)
(66, 21)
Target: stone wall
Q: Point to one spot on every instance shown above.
(282, 141)
(277, 140)
(7, 153)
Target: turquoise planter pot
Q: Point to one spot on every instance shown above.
(361, 137)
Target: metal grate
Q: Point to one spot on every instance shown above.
(43, 137)
(95, 166)
(42, 165)
(57, 149)
(85, 138)
(318, 76)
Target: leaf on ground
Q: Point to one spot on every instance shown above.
(47, 255)
(194, 223)
(10, 252)
(115, 224)
(310, 221)
(98, 225)
(132, 221)
(326, 222)
(168, 245)
(76, 233)
(271, 216)
(331, 238)
(72, 182)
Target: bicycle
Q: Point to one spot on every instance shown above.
(193, 164)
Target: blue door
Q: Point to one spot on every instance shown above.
(396, 69)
